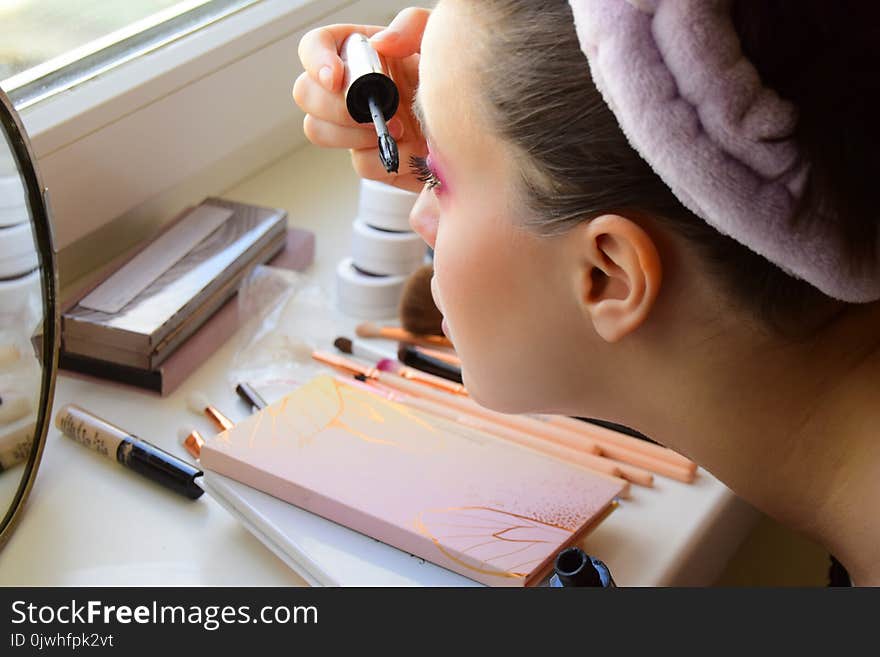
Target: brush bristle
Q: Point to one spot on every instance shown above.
(388, 365)
(343, 344)
(197, 403)
(367, 330)
(418, 312)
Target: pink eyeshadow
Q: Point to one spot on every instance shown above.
(436, 169)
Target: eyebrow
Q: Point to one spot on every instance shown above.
(419, 113)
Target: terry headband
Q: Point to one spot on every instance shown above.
(694, 108)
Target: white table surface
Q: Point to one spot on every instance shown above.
(90, 522)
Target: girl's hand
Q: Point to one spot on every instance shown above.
(318, 92)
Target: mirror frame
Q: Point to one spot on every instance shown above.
(41, 221)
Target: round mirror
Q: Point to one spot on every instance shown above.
(28, 318)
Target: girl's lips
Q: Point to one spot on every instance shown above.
(444, 327)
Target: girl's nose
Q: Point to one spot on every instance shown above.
(424, 216)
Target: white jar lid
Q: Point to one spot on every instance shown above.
(383, 252)
(367, 297)
(18, 254)
(385, 206)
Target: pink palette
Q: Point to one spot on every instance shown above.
(455, 496)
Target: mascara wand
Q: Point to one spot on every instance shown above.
(387, 146)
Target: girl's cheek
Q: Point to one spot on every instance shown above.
(425, 216)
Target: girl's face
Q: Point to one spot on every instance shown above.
(509, 297)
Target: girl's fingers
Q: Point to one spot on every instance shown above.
(325, 105)
(330, 135)
(319, 52)
(403, 37)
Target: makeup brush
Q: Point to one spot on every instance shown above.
(371, 330)
(410, 355)
(360, 350)
(614, 445)
(440, 354)
(395, 367)
(624, 449)
(603, 467)
(418, 312)
(198, 404)
(192, 441)
(250, 396)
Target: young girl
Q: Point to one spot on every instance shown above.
(659, 213)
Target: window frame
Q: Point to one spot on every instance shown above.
(127, 142)
(114, 49)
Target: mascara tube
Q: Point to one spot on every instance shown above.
(129, 450)
(370, 94)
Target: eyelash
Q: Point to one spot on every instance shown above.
(419, 166)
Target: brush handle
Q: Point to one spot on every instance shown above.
(608, 436)
(414, 357)
(594, 464)
(452, 359)
(429, 379)
(402, 335)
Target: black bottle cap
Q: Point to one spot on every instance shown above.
(574, 568)
(372, 85)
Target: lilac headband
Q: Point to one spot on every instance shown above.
(694, 108)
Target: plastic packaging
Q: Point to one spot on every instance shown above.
(285, 317)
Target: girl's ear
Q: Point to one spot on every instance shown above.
(620, 274)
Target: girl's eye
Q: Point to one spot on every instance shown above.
(419, 166)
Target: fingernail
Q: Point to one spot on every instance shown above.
(386, 36)
(395, 127)
(325, 75)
